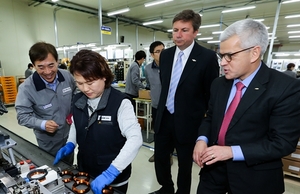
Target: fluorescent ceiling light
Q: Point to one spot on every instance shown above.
(213, 41)
(55, 0)
(238, 9)
(270, 34)
(205, 38)
(271, 37)
(210, 26)
(293, 25)
(91, 45)
(294, 36)
(267, 28)
(152, 22)
(292, 16)
(290, 1)
(156, 3)
(260, 20)
(118, 11)
(96, 49)
(217, 32)
(170, 30)
(297, 54)
(282, 55)
(198, 34)
(293, 32)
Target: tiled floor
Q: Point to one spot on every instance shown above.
(143, 178)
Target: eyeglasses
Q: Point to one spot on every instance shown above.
(158, 51)
(228, 56)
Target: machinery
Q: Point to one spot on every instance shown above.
(25, 177)
(27, 169)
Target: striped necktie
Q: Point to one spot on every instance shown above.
(177, 70)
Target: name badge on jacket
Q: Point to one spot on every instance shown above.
(68, 89)
(47, 106)
(104, 118)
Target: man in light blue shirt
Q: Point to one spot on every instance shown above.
(44, 99)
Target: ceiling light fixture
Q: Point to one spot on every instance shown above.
(290, 1)
(294, 36)
(217, 32)
(152, 22)
(293, 32)
(206, 38)
(282, 55)
(238, 9)
(259, 20)
(118, 11)
(170, 30)
(292, 16)
(293, 25)
(213, 41)
(210, 26)
(156, 3)
(55, 0)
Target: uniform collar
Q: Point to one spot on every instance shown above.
(40, 84)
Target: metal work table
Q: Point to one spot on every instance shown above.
(147, 114)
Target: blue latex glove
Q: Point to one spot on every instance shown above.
(107, 177)
(64, 151)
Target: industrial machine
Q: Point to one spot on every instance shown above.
(27, 169)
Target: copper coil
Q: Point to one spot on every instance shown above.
(108, 190)
(81, 176)
(81, 182)
(66, 173)
(42, 173)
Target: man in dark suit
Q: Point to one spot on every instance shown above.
(180, 115)
(264, 126)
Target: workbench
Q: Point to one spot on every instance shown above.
(26, 150)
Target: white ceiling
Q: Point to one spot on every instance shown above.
(211, 10)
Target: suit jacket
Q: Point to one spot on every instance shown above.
(265, 125)
(192, 94)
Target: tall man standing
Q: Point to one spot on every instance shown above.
(44, 99)
(252, 120)
(182, 106)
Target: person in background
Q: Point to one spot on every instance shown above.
(182, 106)
(104, 125)
(63, 66)
(153, 81)
(133, 78)
(289, 70)
(29, 70)
(241, 144)
(44, 99)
